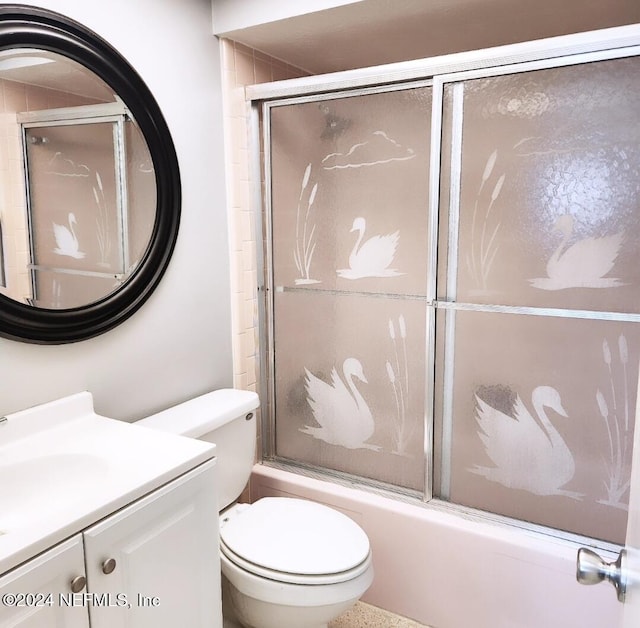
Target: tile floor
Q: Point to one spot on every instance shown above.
(362, 616)
(366, 616)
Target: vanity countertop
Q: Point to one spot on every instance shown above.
(63, 467)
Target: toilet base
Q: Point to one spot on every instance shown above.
(248, 612)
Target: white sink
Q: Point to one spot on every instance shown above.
(63, 467)
(46, 479)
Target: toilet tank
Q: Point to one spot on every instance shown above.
(226, 417)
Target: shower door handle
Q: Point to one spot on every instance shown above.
(591, 569)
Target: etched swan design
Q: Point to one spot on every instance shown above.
(528, 454)
(373, 257)
(66, 239)
(584, 264)
(340, 410)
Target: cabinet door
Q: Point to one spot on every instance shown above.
(38, 594)
(167, 567)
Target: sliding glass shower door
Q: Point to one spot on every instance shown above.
(475, 343)
(349, 185)
(540, 307)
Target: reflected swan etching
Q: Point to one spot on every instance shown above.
(371, 259)
(66, 239)
(584, 264)
(527, 454)
(340, 410)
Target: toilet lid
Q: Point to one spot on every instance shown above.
(295, 536)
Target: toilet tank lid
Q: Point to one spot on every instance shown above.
(203, 414)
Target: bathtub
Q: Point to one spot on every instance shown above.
(450, 571)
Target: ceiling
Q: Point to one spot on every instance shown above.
(52, 71)
(376, 32)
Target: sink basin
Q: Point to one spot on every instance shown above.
(39, 486)
(63, 467)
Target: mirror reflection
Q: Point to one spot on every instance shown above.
(78, 188)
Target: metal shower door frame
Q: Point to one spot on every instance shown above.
(555, 52)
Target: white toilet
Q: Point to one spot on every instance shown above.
(286, 562)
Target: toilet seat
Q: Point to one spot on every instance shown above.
(273, 591)
(294, 541)
(291, 578)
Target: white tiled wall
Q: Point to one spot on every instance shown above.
(244, 66)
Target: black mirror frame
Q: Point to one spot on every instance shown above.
(24, 26)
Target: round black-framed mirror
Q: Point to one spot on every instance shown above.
(27, 27)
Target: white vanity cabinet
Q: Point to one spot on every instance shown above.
(30, 595)
(164, 554)
(152, 564)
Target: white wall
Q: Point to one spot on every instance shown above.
(231, 15)
(178, 344)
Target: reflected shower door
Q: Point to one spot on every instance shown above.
(75, 211)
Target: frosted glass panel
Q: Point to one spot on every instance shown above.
(533, 416)
(63, 290)
(75, 219)
(73, 203)
(349, 380)
(542, 418)
(350, 192)
(141, 191)
(349, 197)
(549, 176)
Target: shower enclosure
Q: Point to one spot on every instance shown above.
(451, 287)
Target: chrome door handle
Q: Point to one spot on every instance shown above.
(591, 569)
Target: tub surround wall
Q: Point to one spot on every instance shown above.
(243, 66)
(178, 344)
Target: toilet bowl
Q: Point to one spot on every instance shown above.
(292, 563)
(286, 562)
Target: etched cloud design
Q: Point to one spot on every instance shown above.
(378, 149)
(523, 103)
(64, 167)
